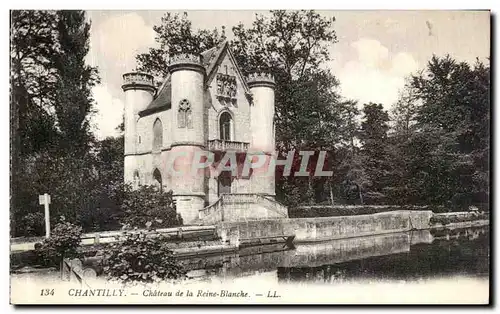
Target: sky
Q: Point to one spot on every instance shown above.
(375, 51)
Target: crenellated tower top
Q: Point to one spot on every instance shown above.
(186, 61)
(257, 79)
(138, 80)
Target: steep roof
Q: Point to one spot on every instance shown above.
(162, 100)
(210, 58)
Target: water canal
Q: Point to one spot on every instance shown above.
(409, 256)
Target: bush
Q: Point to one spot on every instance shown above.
(141, 257)
(148, 205)
(63, 242)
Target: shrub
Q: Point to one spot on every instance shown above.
(63, 243)
(141, 257)
(148, 205)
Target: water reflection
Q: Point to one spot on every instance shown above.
(402, 256)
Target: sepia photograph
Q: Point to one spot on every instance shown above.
(270, 157)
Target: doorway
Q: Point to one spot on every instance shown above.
(224, 183)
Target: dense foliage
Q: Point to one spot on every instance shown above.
(87, 189)
(142, 256)
(441, 154)
(147, 205)
(63, 243)
(52, 147)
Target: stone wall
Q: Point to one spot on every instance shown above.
(462, 216)
(419, 219)
(325, 228)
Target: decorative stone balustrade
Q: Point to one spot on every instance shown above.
(221, 145)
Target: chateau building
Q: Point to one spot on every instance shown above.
(203, 105)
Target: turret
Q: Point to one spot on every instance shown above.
(262, 86)
(188, 79)
(139, 91)
(188, 131)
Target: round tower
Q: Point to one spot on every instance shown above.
(262, 87)
(188, 137)
(139, 92)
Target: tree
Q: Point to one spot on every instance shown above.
(51, 100)
(373, 138)
(351, 166)
(404, 113)
(175, 34)
(73, 102)
(293, 45)
(439, 146)
(455, 111)
(401, 188)
(294, 42)
(32, 78)
(52, 147)
(109, 159)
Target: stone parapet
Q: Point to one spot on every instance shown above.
(261, 79)
(138, 80)
(186, 61)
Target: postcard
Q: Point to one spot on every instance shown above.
(250, 157)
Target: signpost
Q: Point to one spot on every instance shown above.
(45, 200)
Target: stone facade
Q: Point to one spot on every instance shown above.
(204, 104)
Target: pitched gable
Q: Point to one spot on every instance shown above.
(211, 59)
(212, 69)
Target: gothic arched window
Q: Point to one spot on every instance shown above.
(157, 135)
(225, 125)
(157, 179)
(184, 115)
